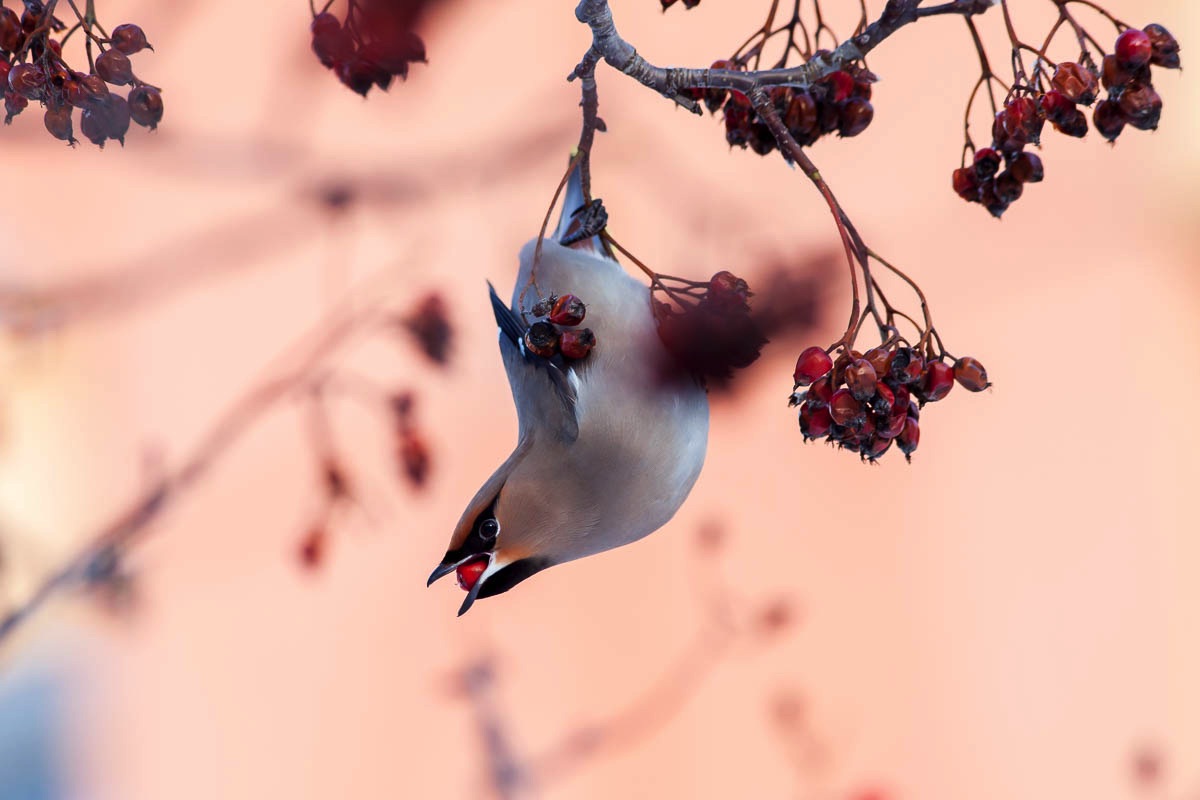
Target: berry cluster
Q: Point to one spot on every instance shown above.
(1125, 73)
(1131, 101)
(545, 337)
(374, 44)
(840, 102)
(865, 402)
(707, 326)
(33, 68)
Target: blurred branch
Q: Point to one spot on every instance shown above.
(100, 559)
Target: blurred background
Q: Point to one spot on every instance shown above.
(1014, 615)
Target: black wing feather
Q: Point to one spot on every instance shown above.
(512, 334)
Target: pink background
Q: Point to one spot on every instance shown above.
(1012, 616)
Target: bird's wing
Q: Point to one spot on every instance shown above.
(541, 387)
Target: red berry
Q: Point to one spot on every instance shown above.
(325, 24)
(1076, 82)
(146, 106)
(815, 423)
(1134, 48)
(542, 339)
(841, 84)
(58, 122)
(1141, 106)
(13, 104)
(568, 310)
(895, 423)
(881, 360)
(876, 447)
(907, 365)
(861, 379)
(937, 381)
(27, 80)
(1113, 76)
(1108, 119)
(95, 86)
(909, 438)
(1027, 168)
(468, 574)
(801, 115)
(577, 344)
(966, 184)
(820, 393)
(1074, 125)
(129, 39)
(728, 292)
(844, 408)
(1057, 106)
(1166, 48)
(971, 374)
(987, 162)
(93, 126)
(114, 67)
(884, 399)
(813, 363)
(854, 117)
(10, 30)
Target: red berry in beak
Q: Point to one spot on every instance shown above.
(568, 310)
(1134, 49)
(812, 364)
(469, 573)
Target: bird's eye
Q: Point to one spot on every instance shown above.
(489, 529)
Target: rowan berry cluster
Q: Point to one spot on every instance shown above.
(707, 326)
(838, 103)
(546, 338)
(33, 68)
(1131, 101)
(866, 402)
(372, 45)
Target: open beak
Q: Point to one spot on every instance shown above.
(472, 571)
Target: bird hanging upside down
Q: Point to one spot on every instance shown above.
(609, 445)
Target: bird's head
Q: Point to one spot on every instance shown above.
(505, 535)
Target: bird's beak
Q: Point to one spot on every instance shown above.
(446, 567)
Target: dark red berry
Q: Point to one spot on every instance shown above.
(1108, 119)
(876, 447)
(907, 365)
(854, 117)
(1008, 187)
(1027, 168)
(542, 339)
(1134, 48)
(815, 422)
(568, 310)
(820, 393)
(937, 381)
(577, 344)
(1057, 107)
(146, 106)
(971, 374)
(1074, 125)
(58, 122)
(95, 86)
(801, 116)
(966, 184)
(813, 363)
(27, 80)
(861, 379)
(909, 438)
(129, 39)
(844, 408)
(841, 84)
(884, 398)
(1165, 47)
(881, 359)
(987, 162)
(114, 67)
(727, 292)
(325, 24)
(1141, 106)
(93, 125)
(1075, 82)
(1113, 76)
(10, 30)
